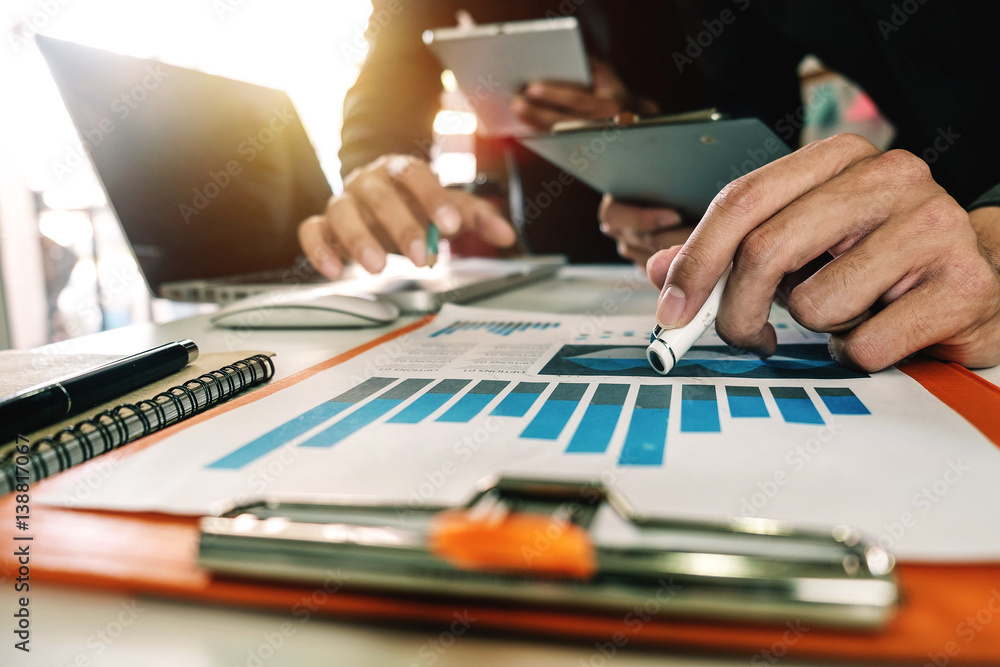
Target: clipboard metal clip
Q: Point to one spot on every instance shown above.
(562, 544)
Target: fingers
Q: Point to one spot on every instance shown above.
(948, 317)
(835, 216)
(342, 232)
(485, 219)
(740, 208)
(539, 117)
(386, 207)
(642, 250)
(619, 218)
(389, 208)
(417, 179)
(319, 250)
(658, 264)
(641, 230)
(571, 99)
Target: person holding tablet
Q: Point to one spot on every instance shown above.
(389, 112)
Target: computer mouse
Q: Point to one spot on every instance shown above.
(315, 308)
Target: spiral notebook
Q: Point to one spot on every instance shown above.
(209, 381)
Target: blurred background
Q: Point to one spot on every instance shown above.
(66, 270)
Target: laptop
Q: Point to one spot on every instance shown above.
(209, 178)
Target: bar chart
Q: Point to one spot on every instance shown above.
(790, 362)
(582, 418)
(498, 328)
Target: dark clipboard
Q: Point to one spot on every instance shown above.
(682, 161)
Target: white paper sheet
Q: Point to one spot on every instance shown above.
(894, 462)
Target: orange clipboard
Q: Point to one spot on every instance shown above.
(942, 619)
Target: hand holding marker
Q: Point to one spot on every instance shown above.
(666, 346)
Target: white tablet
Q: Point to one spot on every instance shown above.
(682, 161)
(493, 62)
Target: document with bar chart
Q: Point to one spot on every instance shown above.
(423, 417)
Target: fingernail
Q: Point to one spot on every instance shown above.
(671, 307)
(669, 219)
(372, 260)
(447, 219)
(535, 90)
(418, 252)
(330, 267)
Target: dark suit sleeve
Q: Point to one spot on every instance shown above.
(391, 107)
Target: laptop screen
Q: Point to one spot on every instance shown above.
(209, 177)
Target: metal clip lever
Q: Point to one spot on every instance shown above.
(563, 543)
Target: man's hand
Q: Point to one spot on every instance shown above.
(641, 230)
(545, 103)
(907, 270)
(386, 207)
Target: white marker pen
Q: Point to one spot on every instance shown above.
(666, 346)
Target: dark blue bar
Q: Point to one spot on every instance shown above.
(746, 402)
(366, 414)
(473, 402)
(295, 427)
(699, 409)
(520, 399)
(454, 326)
(646, 439)
(593, 435)
(842, 401)
(795, 405)
(435, 397)
(555, 412)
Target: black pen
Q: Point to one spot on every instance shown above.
(48, 403)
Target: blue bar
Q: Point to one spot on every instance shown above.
(842, 401)
(555, 412)
(593, 435)
(520, 399)
(795, 405)
(366, 414)
(646, 439)
(435, 397)
(296, 426)
(746, 402)
(699, 409)
(473, 402)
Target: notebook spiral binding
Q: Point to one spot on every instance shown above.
(124, 423)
